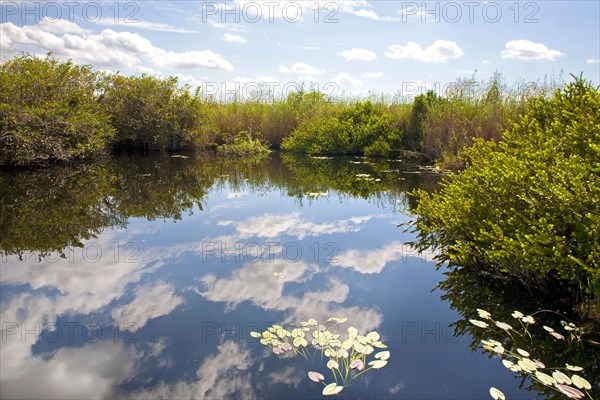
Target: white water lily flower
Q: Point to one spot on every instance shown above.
(484, 314)
(497, 394)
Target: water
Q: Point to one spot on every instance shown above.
(144, 278)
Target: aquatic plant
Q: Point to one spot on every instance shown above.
(347, 356)
(566, 380)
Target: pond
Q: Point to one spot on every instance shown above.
(144, 277)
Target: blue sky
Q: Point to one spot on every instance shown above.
(356, 46)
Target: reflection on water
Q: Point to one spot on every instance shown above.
(144, 278)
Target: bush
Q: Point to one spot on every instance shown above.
(49, 111)
(244, 144)
(528, 206)
(358, 129)
(150, 113)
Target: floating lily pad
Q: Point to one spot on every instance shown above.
(332, 389)
(376, 364)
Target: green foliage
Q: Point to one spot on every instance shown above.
(359, 128)
(152, 114)
(413, 139)
(244, 144)
(49, 111)
(528, 206)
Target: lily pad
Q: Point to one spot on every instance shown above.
(332, 389)
(580, 382)
(376, 364)
(382, 355)
(497, 394)
(315, 376)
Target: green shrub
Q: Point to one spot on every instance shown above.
(150, 113)
(49, 111)
(528, 206)
(244, 144)
(357, 129)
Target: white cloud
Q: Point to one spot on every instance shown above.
(485, 61)
(108, 48)
(302, 69)
(372, 75)
(345, 78)
(308, 78)
(593, 61)
(527, 51)
(273, 225)
(235, 38)
(145, 25)
(439, 51)
(222, 375)
(358, 54)
(150, 301)
(193, 59)
(374, 261)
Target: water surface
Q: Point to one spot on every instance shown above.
(143, 277)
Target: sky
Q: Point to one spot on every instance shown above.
(353, 47)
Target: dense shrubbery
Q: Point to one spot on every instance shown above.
(149, 113)
(357, 129)
(49, 112)
(52, 111)
(528, 206)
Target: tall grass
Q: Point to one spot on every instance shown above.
(156, 114)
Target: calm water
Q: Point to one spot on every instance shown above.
(143, 278)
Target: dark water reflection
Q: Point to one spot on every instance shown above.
(143, 278)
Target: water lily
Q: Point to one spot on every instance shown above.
(557, 335)
(255, 334)
(357, 364)
(376, 364)
(382, 355)
(332, 364)
(517, 314)
(527, 365)
(580, 382)
(332, 389)
(523, 352)
(315, 376)
(528, 319)
(503, 325)
(569, 391)
(547, 328)
(545, 378)
(484, 314)
(497, 394)
(478, 323)
(561, 378)
(573, 367)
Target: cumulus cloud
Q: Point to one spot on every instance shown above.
(273, 225)
(527, 51)
(150, 301)
(374, 261)
(235, 38)
(222, 375)
(108, 48)
(346, 79)
(439, 51)
(358, 54)
(302, 69)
